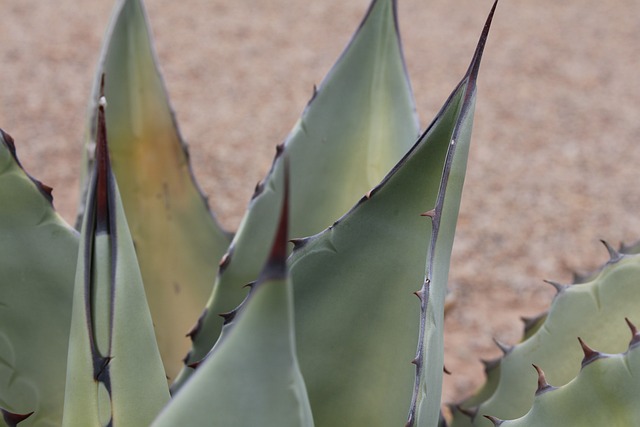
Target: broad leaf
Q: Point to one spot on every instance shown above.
(357, 321)
(177, 241)
(429, 360)
(38, 253)
(115, 375)
(358, 124)
(251, 377)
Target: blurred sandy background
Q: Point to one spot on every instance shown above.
(553, 166)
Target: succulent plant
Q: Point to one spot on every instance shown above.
(592, 311)
(323, 333)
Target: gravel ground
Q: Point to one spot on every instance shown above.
(551, 167)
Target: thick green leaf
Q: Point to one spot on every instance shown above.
(591, 310)
(429, 360)
(356, 318)
(358, 124)
(604, 393)
(364, 309)
(38, 253)
(115, 375)
(251, 376)
(177, 241)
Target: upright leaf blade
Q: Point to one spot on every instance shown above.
(38, 253)
(358, 124)
(115, 375)
(251, 377)
(429, 361)
(353, 282)
(178, 242)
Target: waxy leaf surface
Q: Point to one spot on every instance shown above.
(38, 253)
(359, 123)
(115, 375)
(177, 240)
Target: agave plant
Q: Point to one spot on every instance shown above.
(326, 332)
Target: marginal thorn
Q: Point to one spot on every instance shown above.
(496, 421)
(543, 385)
(196, 328)
(445, 370)
(506, 349)
(13, 419)
(368, 194)
(559, 287)
(416, 361)
(614, 255)
(469, 412)
(194, 365)
(226, 259)
(579, 277)
(635, 336)
(420, 294)
(228, 317)
(299, 243)
(314, 94)
(258, 190)
(431, 214)
(590, 354)
(490, 365)
(530, 322)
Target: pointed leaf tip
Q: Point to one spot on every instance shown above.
(477, 56)
(276, 266)
(103, 168)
